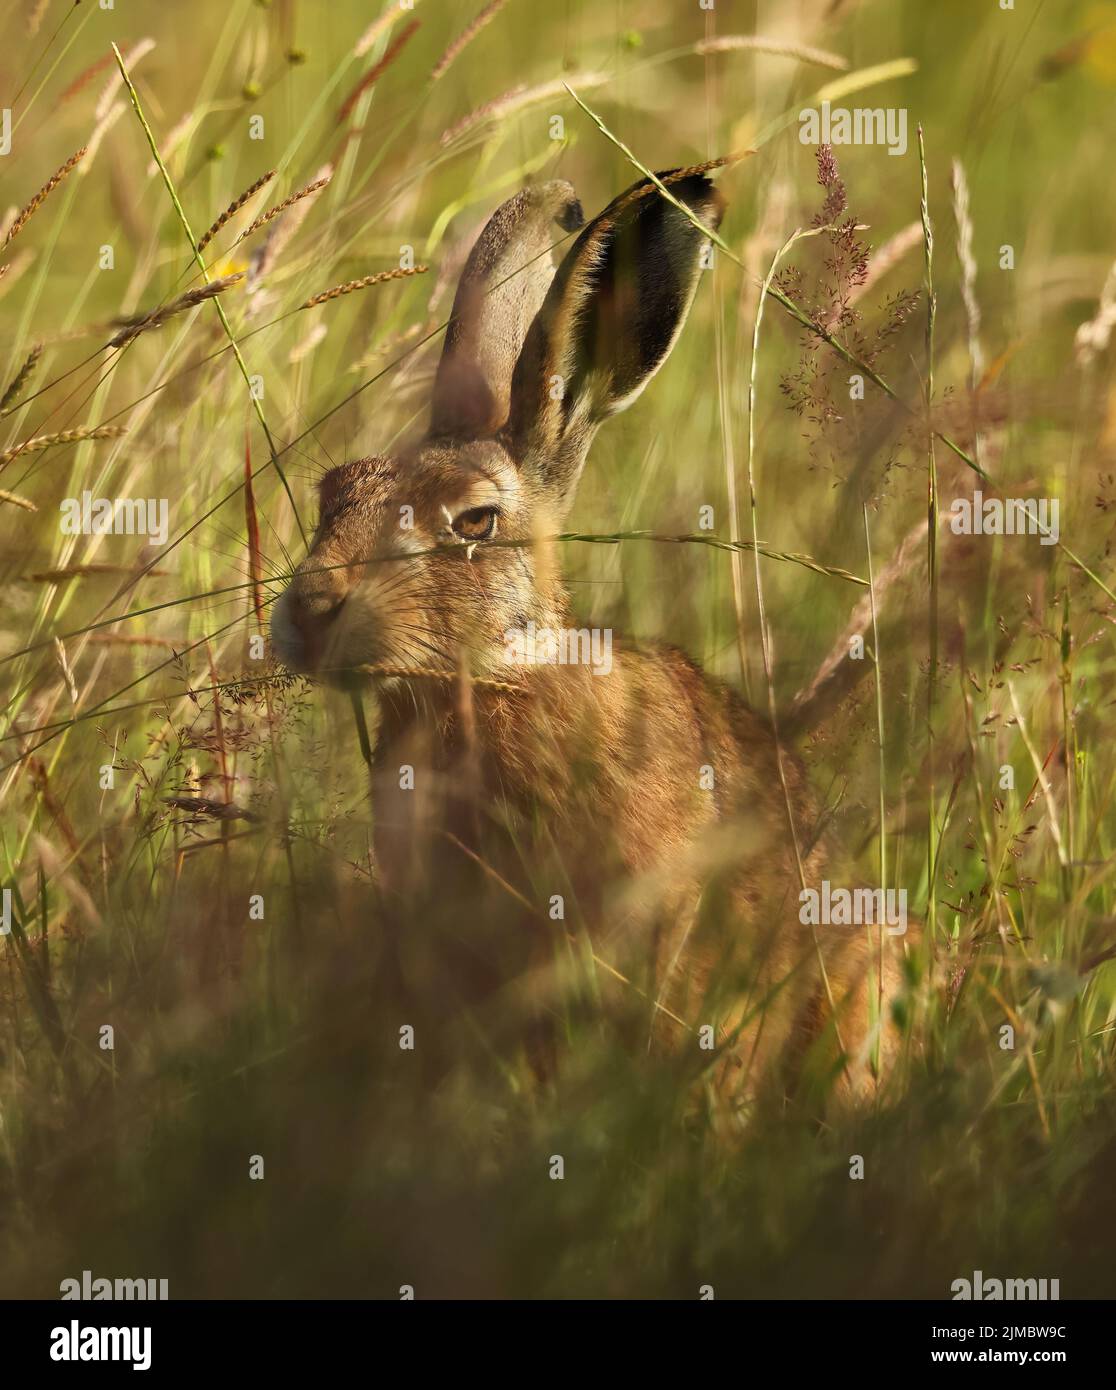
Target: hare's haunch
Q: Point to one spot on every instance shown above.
(646, 789)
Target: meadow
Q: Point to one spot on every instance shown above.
(185, 826)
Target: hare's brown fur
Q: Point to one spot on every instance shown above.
(654, 777)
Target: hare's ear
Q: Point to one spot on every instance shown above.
(610, 318)
(502, 286)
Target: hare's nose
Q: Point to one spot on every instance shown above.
(312, 617)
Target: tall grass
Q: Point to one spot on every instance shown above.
(185, 829)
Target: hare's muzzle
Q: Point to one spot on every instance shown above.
(304, 620)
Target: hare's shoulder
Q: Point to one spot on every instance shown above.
(702, 715)
(653, 717)
(660, 671)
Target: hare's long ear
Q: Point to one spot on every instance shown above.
(504, 282)
(609, 320)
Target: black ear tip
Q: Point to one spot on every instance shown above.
(571, 216)
(707, 201)
(693, 187)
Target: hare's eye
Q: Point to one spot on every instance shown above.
(477, 524)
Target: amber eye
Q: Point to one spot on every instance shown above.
(477, 524)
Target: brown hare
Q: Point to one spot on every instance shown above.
(650, 776)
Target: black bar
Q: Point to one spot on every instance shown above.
(288, 1338)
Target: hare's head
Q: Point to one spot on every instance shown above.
(430, 556)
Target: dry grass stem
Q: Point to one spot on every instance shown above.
(25, 214)
(400, 273)
(48, 441)
(141, 323)
(234, 207)
(467, 35)
(21, 378)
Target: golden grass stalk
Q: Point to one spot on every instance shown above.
(234, 207)
(21, 378)
(47, 441)
(516, 99)
(272, 213)
(376, 28)
(17, 501)
(967, 261)
(67, 669)
(131, 328)
(93, 570)
(399, 273)
(35, 16)
(286, 227)
(731, 43)
(376, 71)
(467, 35)
(100, 130)
(25, 214)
